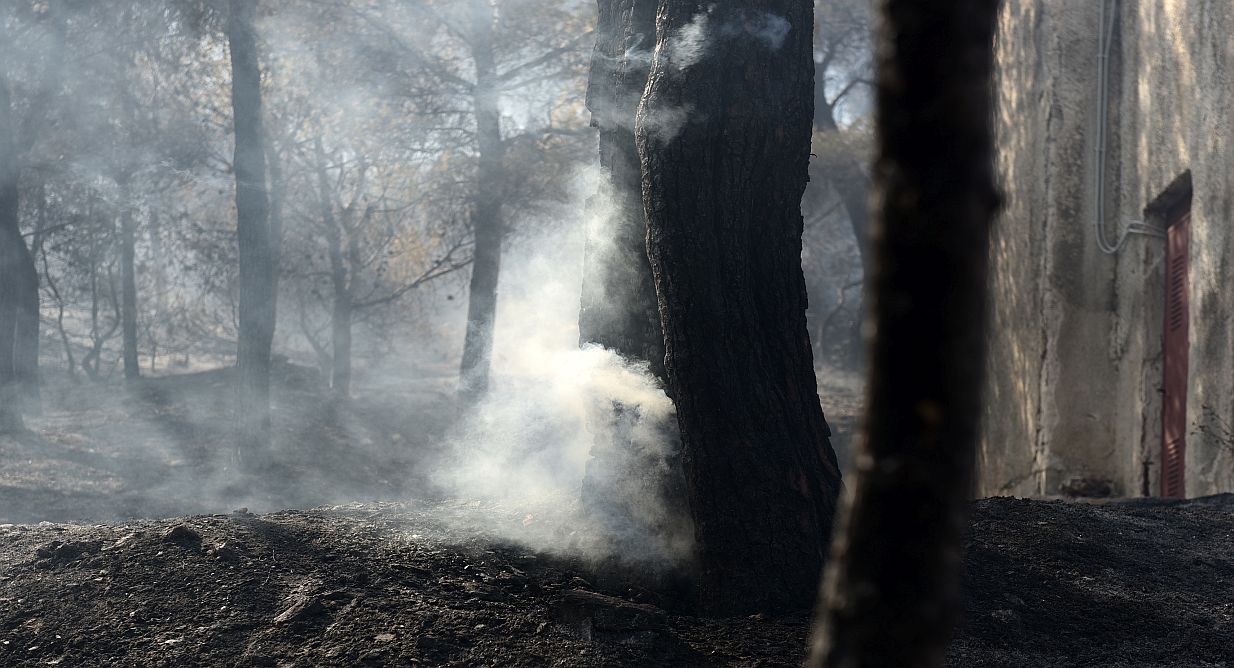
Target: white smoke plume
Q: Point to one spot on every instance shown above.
(527, 444)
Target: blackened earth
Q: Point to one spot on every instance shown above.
(1048, 584)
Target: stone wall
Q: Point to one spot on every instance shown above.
(1074, 385)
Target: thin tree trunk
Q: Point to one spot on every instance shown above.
(340, 283)
(69, 360)
(325, 365)
(26, 334)
(486, 217)
(278, 194)
(722, 187)
(88, 360)
(892, 592)
(341, 342)
(155, 231)
(12, 260)
(845, 174)
(28, 343)
(257, 270)
(128, 289)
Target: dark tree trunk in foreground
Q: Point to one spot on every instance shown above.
(486, 218)
(892, 593)
(632, 459)
(724, 137)
(257, 268)
(13, 256)
(128, 289)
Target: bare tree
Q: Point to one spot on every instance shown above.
(359, 248)
(492, 48)
(892, 590)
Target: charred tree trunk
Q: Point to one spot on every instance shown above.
(619, 309)
(128, 288)
(12, 261)
(892, 592)
(635, 454)
(486, 220)
(257, 268)
(724, 137)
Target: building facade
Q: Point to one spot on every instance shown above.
(1111, 366)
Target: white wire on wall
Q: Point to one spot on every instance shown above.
(1105, 38)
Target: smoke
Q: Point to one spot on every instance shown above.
(768, 28)
(665, 123)
(686, 48)
(704, 35)
(695, 40)
(138, 127)
(529, 444)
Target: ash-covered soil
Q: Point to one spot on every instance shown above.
(1048, 584)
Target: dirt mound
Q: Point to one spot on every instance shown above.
(1049, 584)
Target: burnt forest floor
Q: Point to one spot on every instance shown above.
(392, 580)
(1047, 583)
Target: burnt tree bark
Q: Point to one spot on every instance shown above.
(486, 218)
(633, 487)
(619, 309)
(257, 270)
(892, 591)
(724, 137)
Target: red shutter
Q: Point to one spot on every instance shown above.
(1176, 343)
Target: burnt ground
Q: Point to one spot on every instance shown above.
(455, 582)
(1048, 584)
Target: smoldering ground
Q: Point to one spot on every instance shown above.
(140, 129)
(160, 447)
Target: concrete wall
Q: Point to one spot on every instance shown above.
(1075, 375)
